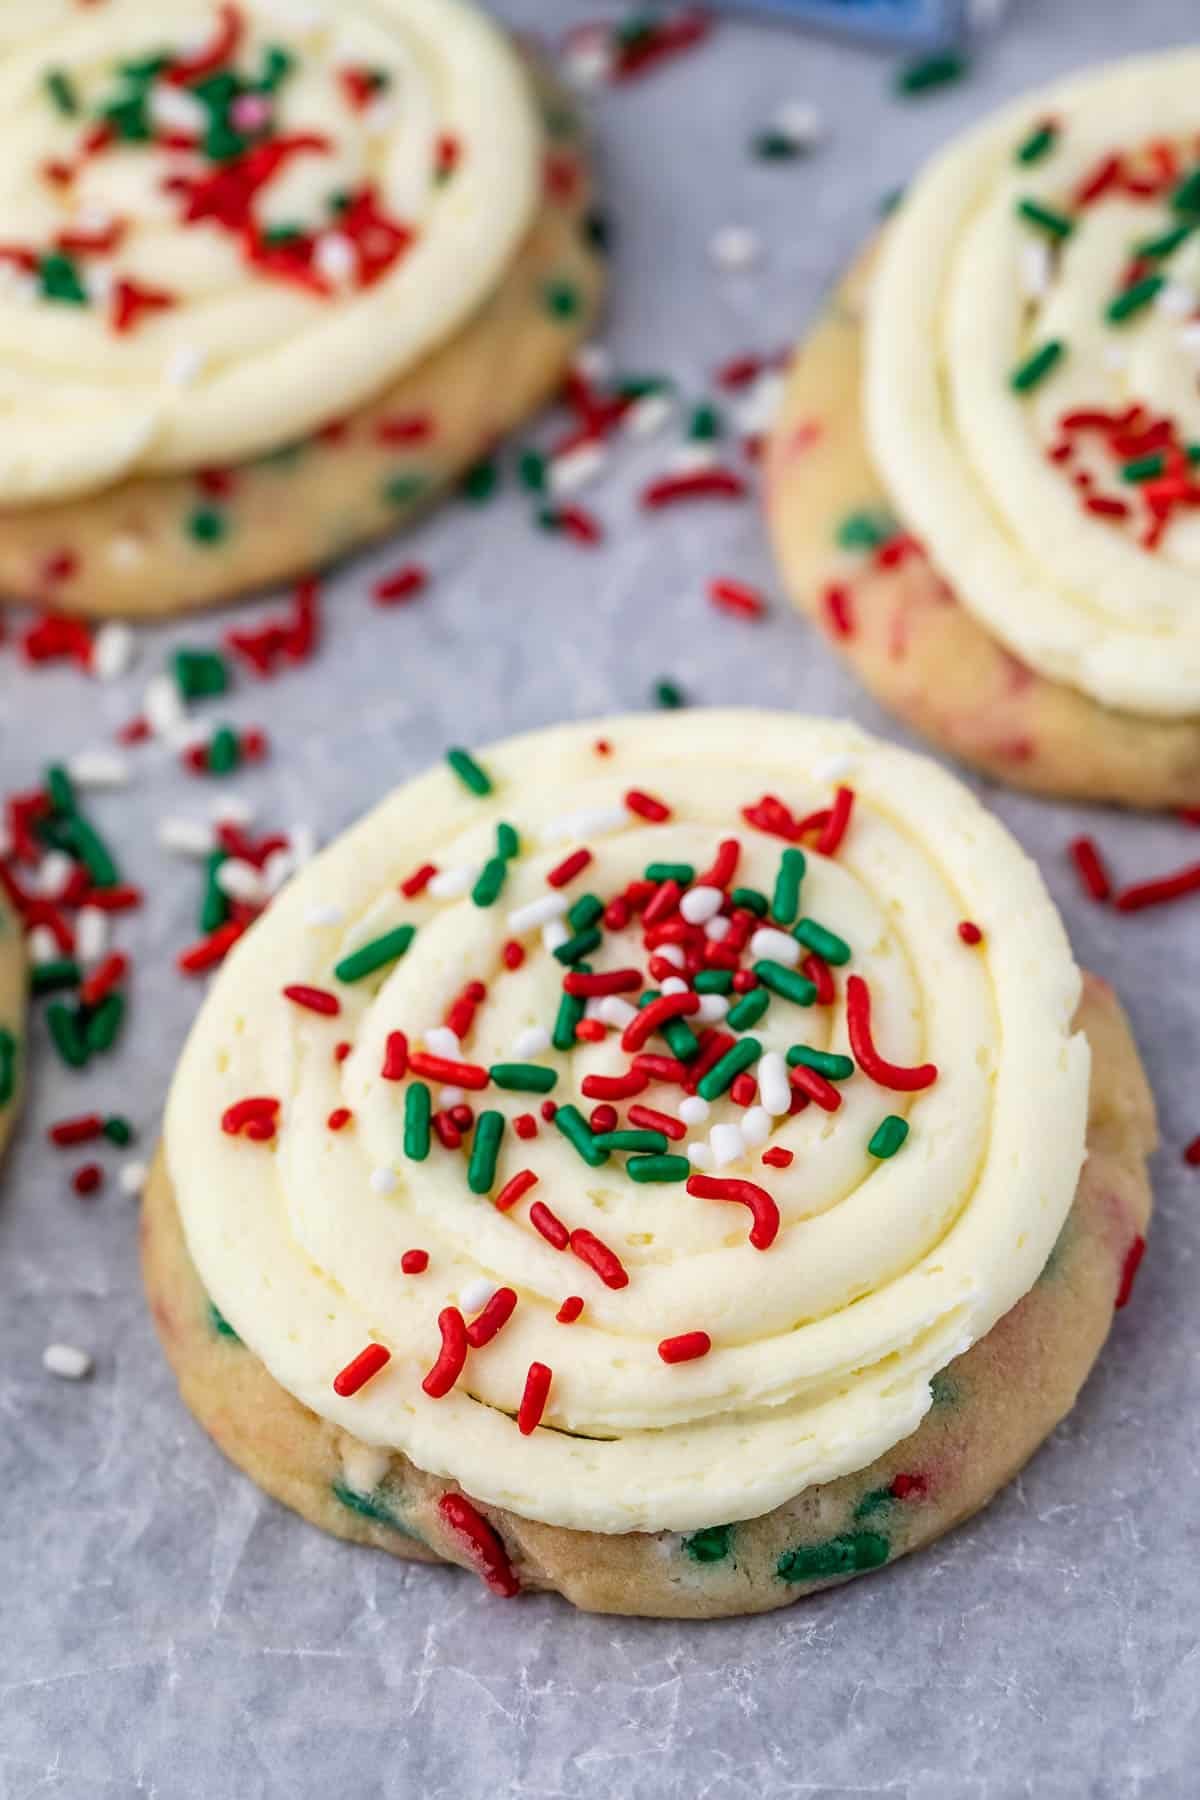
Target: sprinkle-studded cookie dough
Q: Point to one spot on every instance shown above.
(12, 1018)
(981, 484)
(617, 1135)
(268, 285)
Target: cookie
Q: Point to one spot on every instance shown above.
(418, 263)
(979, 483)
(12, 1017)
(603, 1166)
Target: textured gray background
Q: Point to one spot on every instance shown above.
(168, 1632)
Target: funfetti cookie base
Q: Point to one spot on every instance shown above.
(12, 1019)
(992, 1407)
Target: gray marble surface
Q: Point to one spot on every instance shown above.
(169, 1633)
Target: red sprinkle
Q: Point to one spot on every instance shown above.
(1158, 893)
(821, 976)
(603, 1117)
(482, 1542)
(737, 597)
(76, 1131)
(513, 954)
(491, 1318)
(659, 1012)
(700, 484)
(1129, 1269)
(513, 1189)
(646, 806)
(418, 881)
(414, 1262)
(339, 1118)
(969, 932)
(834, 828)
(647, 1118)
(1192, 1153)
(395, 1057)
(403, 584)
(777, 1157)
(763, 1210)
(442, 1068)
(598, 1257)
(211, 950)
(313, 999)
(614, 981)
(356, 1374)
(88, 1179)
(549, 1224)
(814, 1084)
(887, 1074)
(686, 1347)
(533, 1400)
(104, 978)
(614, 1087)
(569, 868)
(452, 1355)
(254, 1109)
(525, 1126)
(909, 1487)
(570, 1310)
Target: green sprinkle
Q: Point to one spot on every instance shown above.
(876, 1500)
(658, 1168)
(575, 1128)
(786, 982)
(710, 1545)
(1186, 197)
(1035, 368)
(224, 751)
(1046, 219)
(930, 72)
(776, 146)
(417, 1112)
(890, 201)
(748, 1010)
(827, 945)
(704, 424)
(1165, 243)
(752, 900)
(587, 910)
(381, 950)
(570, 1011)
(278, 64)
(597, 231)
(491, 879)
(214, 907)
(888, 1137)
(218, 1323)
(508, 844)
(60, 789)
(200, 673)
(523, 1078)
(207, 525)
(865, 530)
(92, 852)
(713, 981)
(785, 902)
(531, 469)
(479, 482)
(579, 946)
(59, 278)
(561, 299)
(118, 1130)
(653, 1141)
(468, 771)
(848, 1554)
(368, 1506)
(1041, 139)
(719, 1077)
(683, 873)
(1144, 468)
(680, 1039)
(403, 490)
(127, 117)
(66, 1034)
(100, 1032)
(485, 1148)
(825, 1062)
(943, 1389)
(51, 977)
(1134, 298)
(8, 1065)
(669, 696)
(61, 90)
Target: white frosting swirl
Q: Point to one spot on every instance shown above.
(824, 1344)
(242, 360)
(966, 290)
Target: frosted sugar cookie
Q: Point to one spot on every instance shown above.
(981, 485)
(272, 276)
(648, 1161)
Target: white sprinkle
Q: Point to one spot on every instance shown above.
(671, 953)
(452, 1096)
(133, 1178)
(800, 121)
(53, 872)
(537, 912)
(700, 1156)
(113, 650)
(475, 1296)
(163, 707)
(448, 884)
(649, 415)
(554, 934)
(91, 934)
(756, 1126)
(67, 1361)
(835, 768)
(775, 946)
(1175, 300)
(43, 945)
(616, 1012)
(382, 1180)
(727, 1145)
(278, 868)
(573, 470)
(533, 1041)
(98, 769)
(174, 109)
(319, 916)
(363, 1465)
(592, 361)
(757, 412)
(232, 809)
(675, 985)
(99, 279)
(716, 930)
(700, 904)
(713, 1007)
(184, 366)
(241, 881)
(735, 247)
(588, 63)
(1189, 338)
(693, 458)
(1036, 269)
(335, 258)
(381, 114)
(694, 1110)
(441, 1041)
(585, 824)
(186, 837)
(774, 1088)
